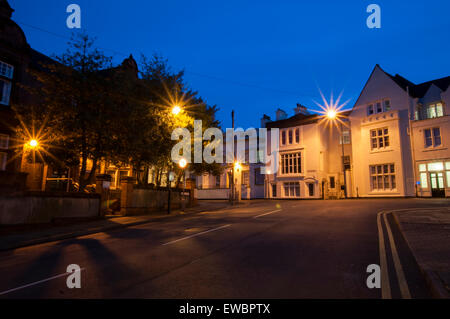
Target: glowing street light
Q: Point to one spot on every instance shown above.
(33, 143)
(237, 166)
(176, 110)
(182, 163)
(331, 114)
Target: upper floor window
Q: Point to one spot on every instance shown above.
(435, 110)
(290, 136)
(379, 138)
(5, 91)
(6, 74)
(297, 135)
(432, 137)
(6, 70)
(283, 137)
(378, 107)
(345, 137)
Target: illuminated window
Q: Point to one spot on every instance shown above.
(435, 110)
(423, 180)
(438, 166)
(422, 167)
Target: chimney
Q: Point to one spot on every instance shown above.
(301, 109)
(264, 120)
(281, 115)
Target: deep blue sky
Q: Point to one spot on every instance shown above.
(256, 56)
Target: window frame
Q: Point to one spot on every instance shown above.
(380, 174)
(432, 137)
(384, 137)
(291, 163)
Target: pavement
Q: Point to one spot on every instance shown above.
(427, 233)
(12, 237)
(261, 249)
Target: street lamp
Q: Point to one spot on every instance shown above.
(176, 109)
(33, 143)
(332, 115)
(182, 164)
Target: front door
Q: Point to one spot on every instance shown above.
(437, 184)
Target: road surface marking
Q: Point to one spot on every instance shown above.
(271, 212)
(36, 283)
(398, 265)
(385, 286)
(198, 234)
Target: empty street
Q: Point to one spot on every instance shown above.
(259, 249)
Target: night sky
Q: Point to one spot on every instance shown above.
(256, 56)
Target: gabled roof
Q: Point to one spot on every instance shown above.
(418, 90)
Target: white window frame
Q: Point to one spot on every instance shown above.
(294, 163)
(432, 137)
(437, 107)
(291, 189)
(383, 177)
(384, 136)
(6, 94)
(344, 137)
(6, 70)
(384, 106)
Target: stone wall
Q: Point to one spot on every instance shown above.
(43, 207)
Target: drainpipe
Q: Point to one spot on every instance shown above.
(411, 141)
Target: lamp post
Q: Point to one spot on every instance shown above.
(182, 163)
(332, 115)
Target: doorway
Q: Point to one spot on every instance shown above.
(437, 184)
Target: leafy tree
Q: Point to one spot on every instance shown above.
(78, 108)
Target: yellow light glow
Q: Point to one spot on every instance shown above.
(33, 143)
(176, 110)
(237, 166)
(182, 163)
(331, 114)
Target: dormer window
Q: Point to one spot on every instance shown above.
(435, 110)
(378, 107)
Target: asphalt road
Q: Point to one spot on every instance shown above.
(267, 249)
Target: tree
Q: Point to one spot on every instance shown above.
(168, 89)
(79, 107)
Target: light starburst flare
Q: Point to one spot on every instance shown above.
(331, 111)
